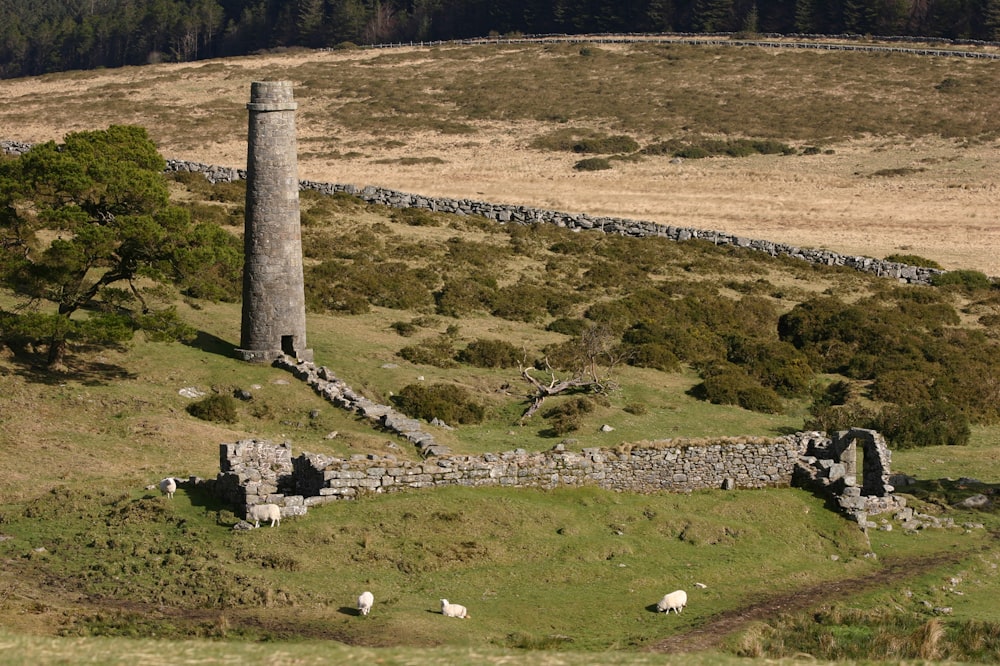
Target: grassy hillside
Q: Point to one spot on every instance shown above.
(96, 561)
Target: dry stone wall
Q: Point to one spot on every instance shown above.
(665, 466)
(255, 471)
(516, 214)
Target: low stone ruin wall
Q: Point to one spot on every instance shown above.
(259, 471)
(665, 466)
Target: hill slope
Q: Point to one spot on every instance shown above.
(462, 122)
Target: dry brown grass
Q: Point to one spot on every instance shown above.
(458, 122)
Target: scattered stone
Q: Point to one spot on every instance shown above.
(243, 394)
(190, 392)
(978, 501)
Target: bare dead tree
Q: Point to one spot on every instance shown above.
(597, 350)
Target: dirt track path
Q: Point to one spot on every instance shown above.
(713, 633)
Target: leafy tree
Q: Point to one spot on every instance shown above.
(87, 235)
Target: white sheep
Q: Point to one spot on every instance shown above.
(259, 512)
(168, 486)
(675, 601)
(365, 602)
(453, 610)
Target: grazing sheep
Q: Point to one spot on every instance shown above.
(453, 610)
(168, 486)
(365, 602)
(259, 512)
(675, 601)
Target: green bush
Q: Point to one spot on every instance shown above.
(703, 147)
(927, 423)
(568, 416)
(389, 284)
(438, 352)
(727, 384)
(593, 164)
(831, 418)
(964, 279)
(416, 217)
(218, 408)
(604, 145)
(447, 402)
(483, 353)
(461, 295)
(914, 260)
(776, 365)
(567, 325)
(404, 328)
(526, 302)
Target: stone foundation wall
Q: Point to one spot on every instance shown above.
(268, 473)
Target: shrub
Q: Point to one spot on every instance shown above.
(447, 402)
(726, 384)
(964, 279)
(593, 164)
(462, 295)
(415, 217)
(568, 416)
(605, 145)
(404, 328)
(927, 423)
(436, 351)
(914, 260)
(520, 302)
(776, 365)
(490, 354)
(218, 408)
(635, 408)
(831, 418)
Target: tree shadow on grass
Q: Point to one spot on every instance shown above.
(85, 366)
(212, 344)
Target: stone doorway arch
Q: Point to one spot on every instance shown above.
(876, 461)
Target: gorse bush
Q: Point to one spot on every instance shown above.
(446, 402)
(964, 279)
(567, 417)
(728, 384)
(606, 144)
(593, 164)
(914, 260)
(491, 354)
(703, 147)
(217, 407)
(439, 352)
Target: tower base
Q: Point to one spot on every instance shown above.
(269, 355)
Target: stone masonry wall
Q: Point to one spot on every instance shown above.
(664, 466)
(253, 472)
(516, 214)
(505, 213)
(266, 472)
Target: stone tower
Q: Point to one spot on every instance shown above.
(274, 311)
